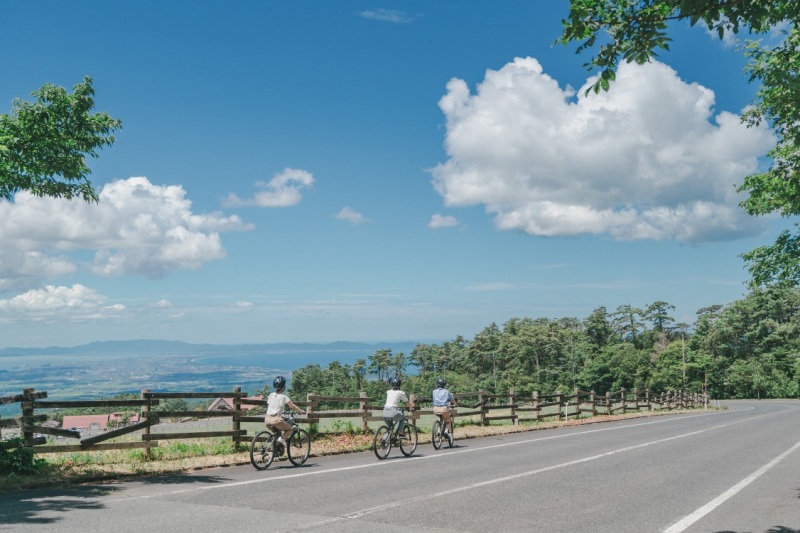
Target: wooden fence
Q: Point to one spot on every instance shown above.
(480, 406)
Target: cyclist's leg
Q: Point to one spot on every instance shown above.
(448, 421)
(400, 420)
(443, 414)
(280, 424)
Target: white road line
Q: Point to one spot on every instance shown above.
(404, 461)
(472, 486)
(690, 519)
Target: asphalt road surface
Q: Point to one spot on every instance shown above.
(736, 470)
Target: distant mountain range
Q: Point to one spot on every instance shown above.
(161, 347)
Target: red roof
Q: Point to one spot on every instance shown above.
(226, 404)
(85, 421)
(99, 421)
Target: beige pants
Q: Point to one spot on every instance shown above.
(445, 412)
(279, 423)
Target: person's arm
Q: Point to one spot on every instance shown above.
(452, 399)
(409, 405)
(293, 407)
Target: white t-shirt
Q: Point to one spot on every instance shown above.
(276, 403)
(394, 397)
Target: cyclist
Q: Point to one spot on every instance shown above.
(391, 410)
(276, 403)
(442, 402)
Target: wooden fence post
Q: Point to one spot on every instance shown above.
(647, 399)
(237, 425)
(27, 416)
(560, 402)
(536, 402)
(482, 401)
(512, 399)
(310, 407)
(593, 399)
(146, 431)
(362, 406)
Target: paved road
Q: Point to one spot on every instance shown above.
(722, 471)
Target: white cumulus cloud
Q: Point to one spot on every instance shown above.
(283, 190)
(387, 15)
(351, 215)
(75, 303)
(647, 160)
(442, 221)
(136, 228)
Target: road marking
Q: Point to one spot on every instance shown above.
(688, 520)
(434, 456)
(480, 484)
(401, 462)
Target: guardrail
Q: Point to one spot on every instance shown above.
(479, 405)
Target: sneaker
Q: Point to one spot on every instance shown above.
(281, 441)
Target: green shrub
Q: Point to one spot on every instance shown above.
(341, 427)
(18, 459)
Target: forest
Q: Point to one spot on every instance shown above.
(749, 348)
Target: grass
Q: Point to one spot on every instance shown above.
(194, 454)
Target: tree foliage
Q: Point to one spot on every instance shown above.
(747, 349)
(44, 144)
(638, 30)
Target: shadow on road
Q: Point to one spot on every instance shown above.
(45, 507)
(776, 529)
(182, 478)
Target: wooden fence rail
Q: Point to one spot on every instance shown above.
(478, 405)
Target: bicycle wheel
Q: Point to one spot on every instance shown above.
(299, 447)
(262, 450)
(409, 444)
(382, 444)
(436, 434)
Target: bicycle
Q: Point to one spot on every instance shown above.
(386, 436)
(439, 432)
(265, 445)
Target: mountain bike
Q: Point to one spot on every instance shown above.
(265, 445)
(387, 436)
(439, 433)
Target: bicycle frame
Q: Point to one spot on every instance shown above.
(387, 435)
(265, 446)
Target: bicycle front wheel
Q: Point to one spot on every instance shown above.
(436, 434)
(382, 444)
(299, 447)
(409, 444)
(262, 450)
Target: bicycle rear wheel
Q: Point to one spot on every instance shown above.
(382, 444)
(409, 444)
(436, 434)
(262, 450)
(299, 447)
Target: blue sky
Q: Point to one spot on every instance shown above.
(367, 171)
